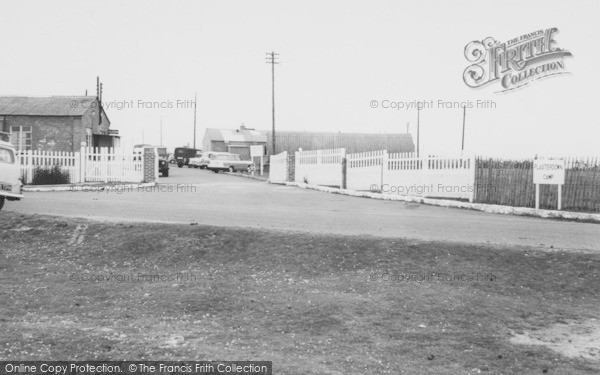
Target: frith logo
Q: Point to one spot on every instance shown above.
(515, 63)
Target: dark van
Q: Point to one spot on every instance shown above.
(183, 155)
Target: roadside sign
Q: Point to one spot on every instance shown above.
(256, 151)
(550, 172)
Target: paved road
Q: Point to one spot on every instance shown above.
(219, 199)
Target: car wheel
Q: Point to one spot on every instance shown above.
(1, 202)
(216, 170)
(195, 166)
(180, 165)
(231, 169)
(203, 167)
(249, 169)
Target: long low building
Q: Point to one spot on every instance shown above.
(290, 141)
(238, 141)
(56, 123)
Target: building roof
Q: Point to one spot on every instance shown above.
(236, 135)
(45, 106)
(353, 142)
(309, 140)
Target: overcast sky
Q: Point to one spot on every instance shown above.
(336, 57)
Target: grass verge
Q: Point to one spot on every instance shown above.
(78, 290)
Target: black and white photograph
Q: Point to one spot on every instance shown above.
(261, 187)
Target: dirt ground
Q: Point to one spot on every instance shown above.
(75, 289)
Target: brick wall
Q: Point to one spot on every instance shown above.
(150, 172)
(49, 133)
(291, 161)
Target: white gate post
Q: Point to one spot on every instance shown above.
(343, 155)
(29, 166)
(104, 161)
(77, 168)
(296, 165)
(82, 165)
(384, 168)
(285, 166)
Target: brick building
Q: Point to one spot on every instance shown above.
(56, 123)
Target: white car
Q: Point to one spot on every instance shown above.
(11, 188)
(229, 162)
(205, 158)
(195, 162)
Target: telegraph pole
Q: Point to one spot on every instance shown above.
(272, 59)
(195, 99)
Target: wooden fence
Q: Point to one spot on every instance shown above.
(87, 165)
(510, 182)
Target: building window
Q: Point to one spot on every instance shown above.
(20, 137)
(88, 138)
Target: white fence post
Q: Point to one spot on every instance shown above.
(29, 166)
(104, 163)
(384, 167)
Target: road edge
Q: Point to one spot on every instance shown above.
(490, 208)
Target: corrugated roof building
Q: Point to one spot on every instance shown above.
(291, 141)
(239, 141)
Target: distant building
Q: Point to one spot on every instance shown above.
(56, 123)
(235, 141)
(290, 141)
(239, 141)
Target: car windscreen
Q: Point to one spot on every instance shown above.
(6, 156)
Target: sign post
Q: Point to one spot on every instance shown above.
(548, 172)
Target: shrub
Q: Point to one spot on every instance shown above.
(49, 176)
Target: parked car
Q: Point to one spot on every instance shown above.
(183, 155)
(195, 161)
(11, 187)
(229, 162)
(205, 158)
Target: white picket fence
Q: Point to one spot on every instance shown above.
(319, 167)
(67, 161)
(365, 169)
(278, 168)
(87, 165)
(409, 175)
